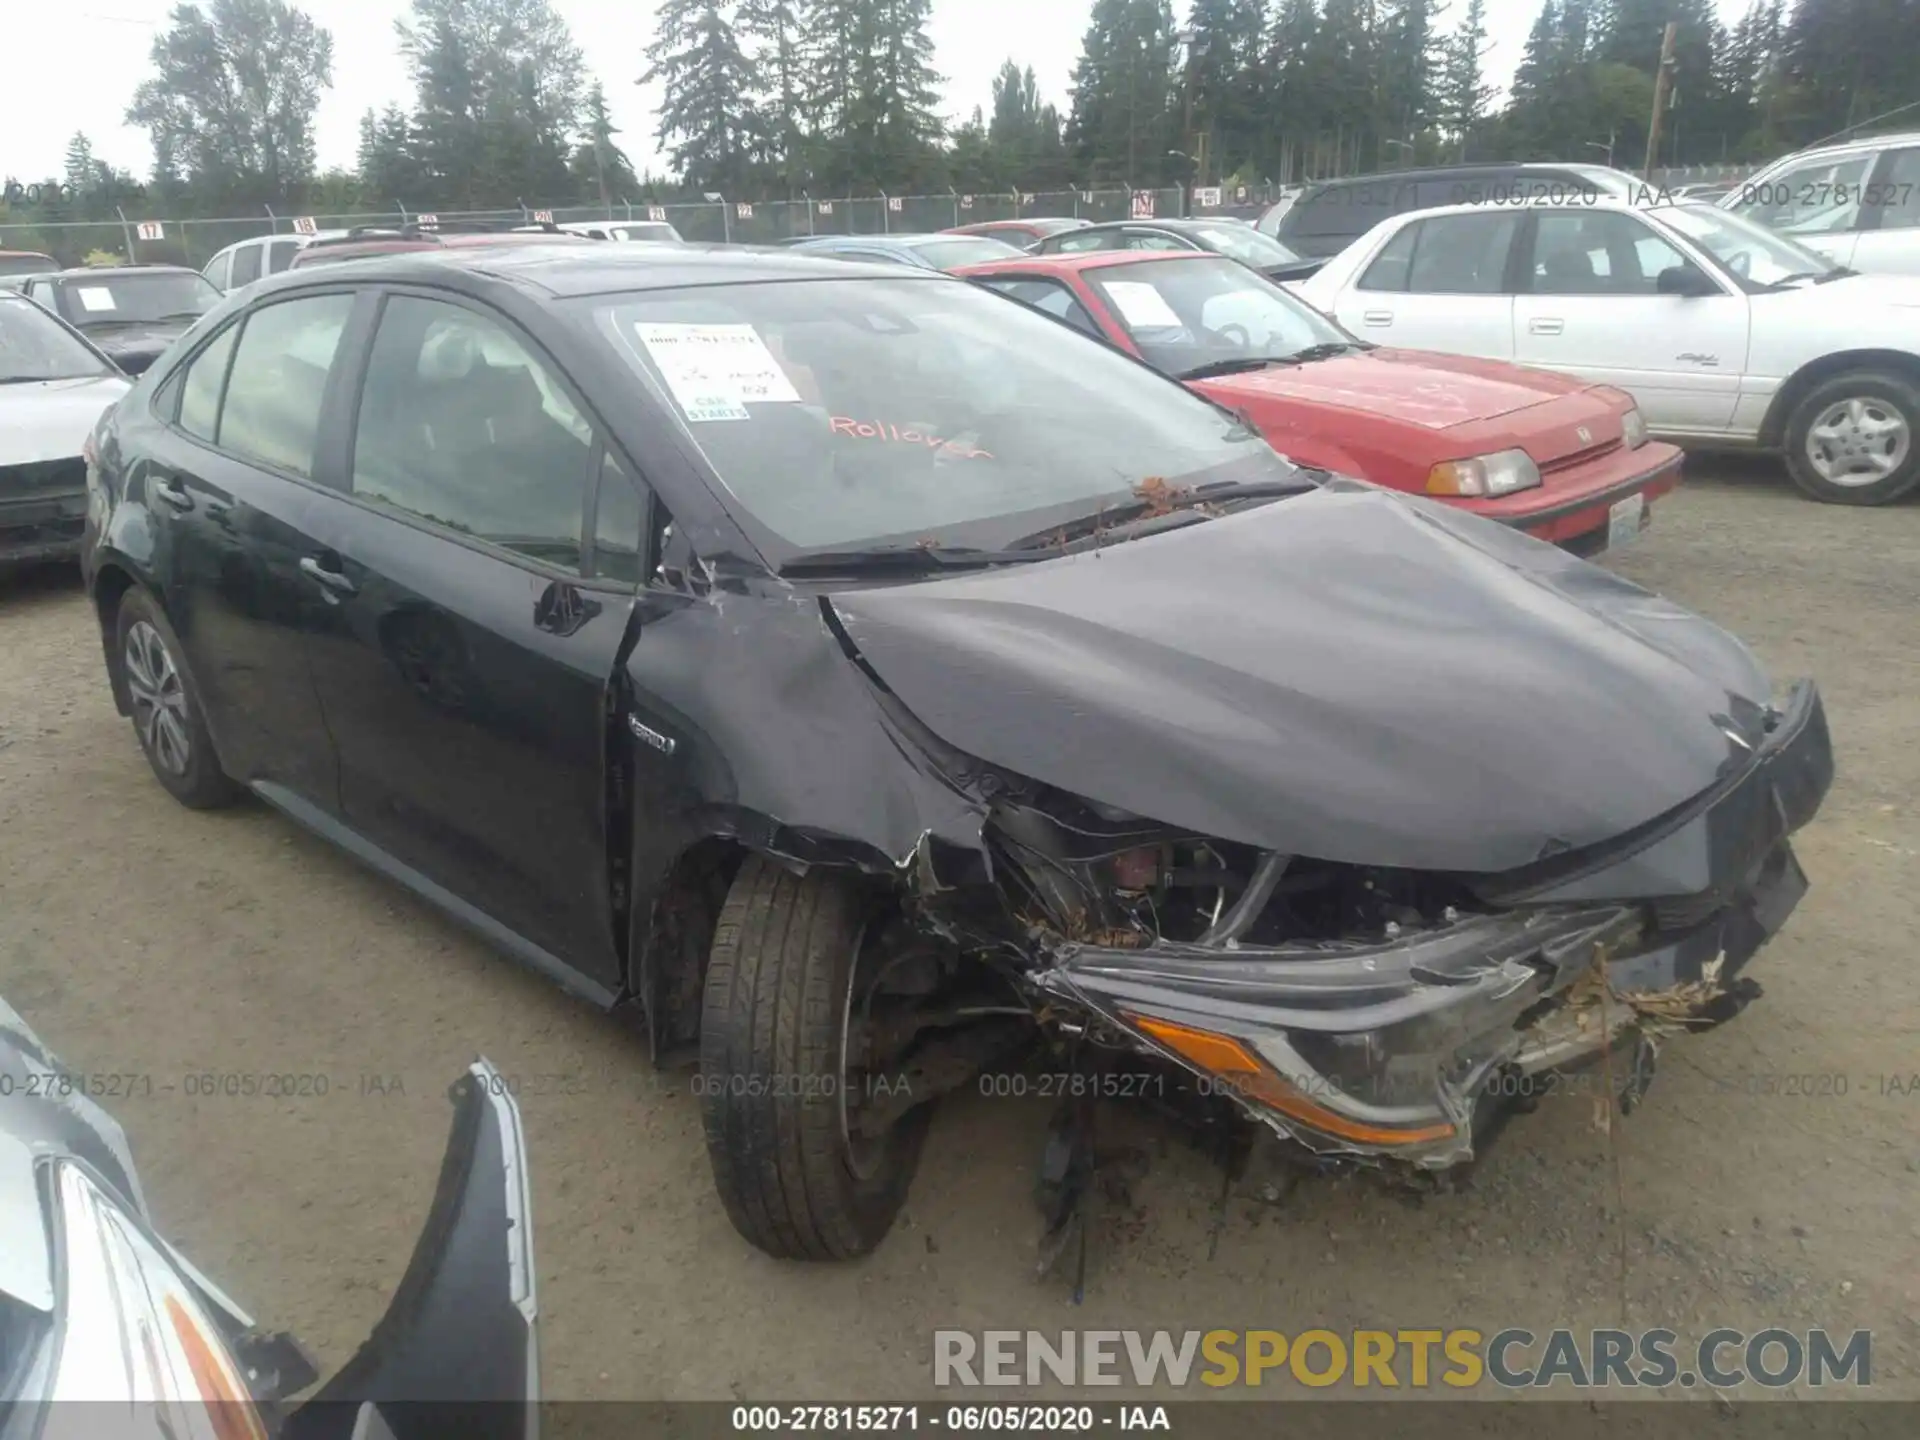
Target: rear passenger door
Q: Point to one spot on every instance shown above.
(229, 481)
(478, 575)
(1439, 284)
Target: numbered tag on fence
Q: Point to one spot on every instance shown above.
(427, 220)
(826, 207)
(743, 211)
(656, 212)
(966, 202)
(893, 203)
(543, 217)
(1207, 197)
(151, 230)
(1143, 205)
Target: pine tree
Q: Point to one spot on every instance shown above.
(772, 34)
(900, 91)
(1122, 122)
(1463, 95)
(600, 167)
(1224, 43)
(707, 120)
(1290, 89)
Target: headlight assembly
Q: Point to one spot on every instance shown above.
(1483, 477)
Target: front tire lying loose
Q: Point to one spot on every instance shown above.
(775, 1070)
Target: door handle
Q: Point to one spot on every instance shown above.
(169, 489)
(330, 578)
(1377, 317)
(1545, 325)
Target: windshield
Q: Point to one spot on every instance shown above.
(1755, 255)
(120, 297)
(861, 412)
(1184, 314)
(1244, 243)
(35, 346)
(952, 251)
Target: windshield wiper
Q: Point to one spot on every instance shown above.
(1232, 367)
(178, 315)
(1327, 350)
(1140, 517)
(911, 559)
(1785, 280)
(1839, 272)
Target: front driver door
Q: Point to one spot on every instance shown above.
(479, 580)
(1591, 306)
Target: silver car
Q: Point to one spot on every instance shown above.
(97, 1307)
(1856, 202)
(54, 386)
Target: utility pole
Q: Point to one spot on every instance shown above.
(1662, 84)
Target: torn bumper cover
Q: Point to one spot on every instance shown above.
(1391, 1049)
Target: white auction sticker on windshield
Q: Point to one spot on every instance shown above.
(716, 371)
(95, 297)
(1142, 305)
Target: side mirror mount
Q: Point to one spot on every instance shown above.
(1686, 281)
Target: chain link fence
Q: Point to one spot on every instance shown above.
(720, 220)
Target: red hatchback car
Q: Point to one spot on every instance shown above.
(1564, 460)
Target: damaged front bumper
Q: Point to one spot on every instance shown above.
(1410, 1047)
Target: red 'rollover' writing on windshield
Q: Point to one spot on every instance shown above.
(881, 430)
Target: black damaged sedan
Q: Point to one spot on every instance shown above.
(852, 674)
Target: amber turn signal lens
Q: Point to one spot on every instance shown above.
(1237, 1067)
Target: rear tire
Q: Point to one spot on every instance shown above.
(1855, 439)
(167, 717)
(773, 1073)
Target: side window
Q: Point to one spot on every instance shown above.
(1598, 252)
(1462, 254)
(220, 268)
(619, 524)
(460, 425)
(1898, 191)
(1073, 244)
(206, 377)
(1155, 240)
(246, 265)
(1815, 197)
(1390, 267)
(279, 381)
(280, 254)
(1049, 297)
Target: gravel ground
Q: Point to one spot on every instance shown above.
(145, 940)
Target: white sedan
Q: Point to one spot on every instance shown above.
(1724, 332)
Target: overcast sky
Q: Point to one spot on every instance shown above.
(67, 61)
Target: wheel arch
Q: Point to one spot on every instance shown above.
(112, 579)
(1773, 430)
(678, 891)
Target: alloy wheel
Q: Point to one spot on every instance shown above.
(1858, 441)
(159, 699)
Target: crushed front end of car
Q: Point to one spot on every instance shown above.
(1426, 813)
(1397, 1016)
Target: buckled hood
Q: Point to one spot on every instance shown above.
(1351, 674)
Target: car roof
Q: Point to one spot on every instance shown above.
(94, 272)
(24, 255)
(595, 268)
(1079, 261)
(1441, 172)
(1858, 142)
(1585, 205)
